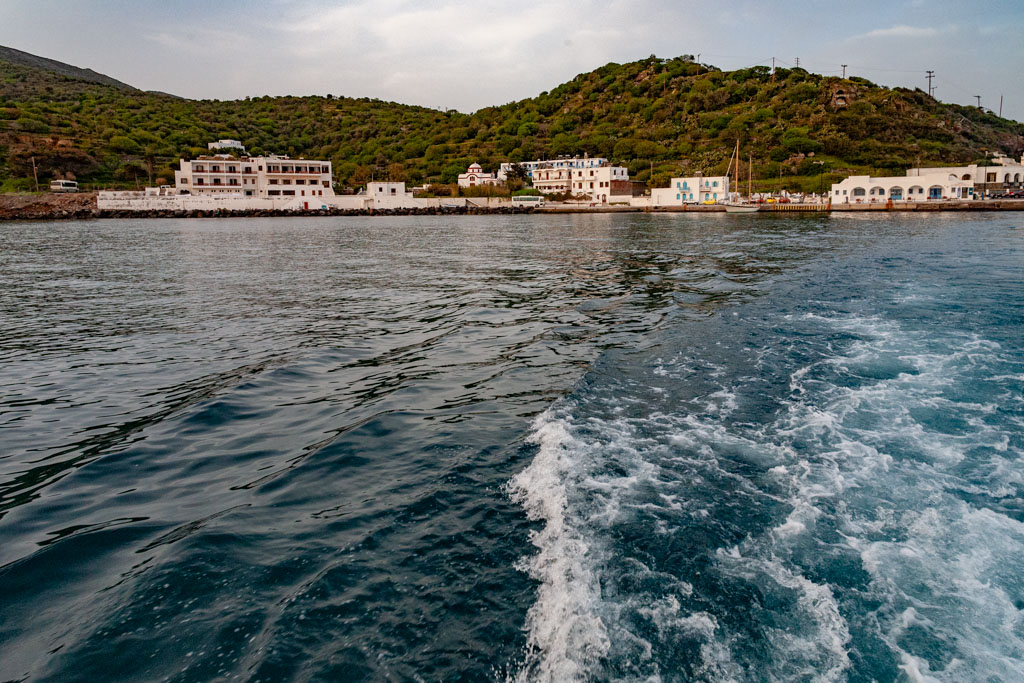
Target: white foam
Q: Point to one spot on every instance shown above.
(565, 634)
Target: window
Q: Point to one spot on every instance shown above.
(714, 184)
(300, 181)
(184, 181)
(326, 184)
(289, 192)
(286, 181)
(272, 181)
(274, 193)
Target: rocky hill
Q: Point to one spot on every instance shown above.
(656, 116)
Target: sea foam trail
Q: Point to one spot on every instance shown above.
(875, 516)
(566, 635)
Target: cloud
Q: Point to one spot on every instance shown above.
(901, 31)
(468, 55)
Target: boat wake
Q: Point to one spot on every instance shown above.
(842, 499)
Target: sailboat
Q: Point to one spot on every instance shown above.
(738, 207)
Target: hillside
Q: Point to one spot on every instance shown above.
(655, 116)
(33, 62)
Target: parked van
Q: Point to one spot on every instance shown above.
(63, 186)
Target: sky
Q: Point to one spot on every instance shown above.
(450, 54)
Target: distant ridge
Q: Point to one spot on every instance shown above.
(13, 56)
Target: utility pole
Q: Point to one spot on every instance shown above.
(844, 71)
(978, 97)
(931, 75)
(1000, 106)
(773, 68)
(34, 174)
(797, 62)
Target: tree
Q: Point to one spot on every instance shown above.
(517, 172)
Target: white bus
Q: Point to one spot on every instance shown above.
(528, 200)
(63, 186)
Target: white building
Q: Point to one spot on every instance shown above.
(1002, 173)
(864, 189)
(695, 189)
(227, 144)
(388, 195)
(263, 177)
(563, 162)
(475, 175)
(605, 184)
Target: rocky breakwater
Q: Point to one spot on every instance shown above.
(83, 205)
(48, 206)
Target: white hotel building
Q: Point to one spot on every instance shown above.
(563, 162)
(604, 184)
(274, 177)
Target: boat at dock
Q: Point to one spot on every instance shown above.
(738, 206)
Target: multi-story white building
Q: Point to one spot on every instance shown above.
(562, 162)
(692, 190)
(605, 184)
(864, 189)
(550, 180)
(276, 177)
(475, 175)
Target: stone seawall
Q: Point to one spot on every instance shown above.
(76, 206)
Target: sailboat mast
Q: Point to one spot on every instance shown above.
(737, 153)
(750, 174)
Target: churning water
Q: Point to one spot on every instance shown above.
(643, 447)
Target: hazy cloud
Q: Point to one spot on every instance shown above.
(901, 32)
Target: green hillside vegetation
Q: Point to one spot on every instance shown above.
(658, 117)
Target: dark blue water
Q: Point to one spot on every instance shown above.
(658, 447)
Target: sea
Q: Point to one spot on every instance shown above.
(613, 447)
